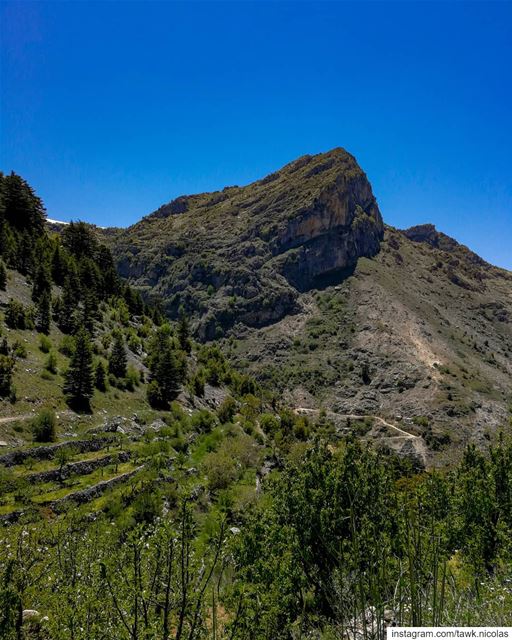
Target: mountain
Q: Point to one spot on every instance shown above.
(160, 472)
(244, 254)
(321, 301)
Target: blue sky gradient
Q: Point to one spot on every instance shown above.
(110, 109)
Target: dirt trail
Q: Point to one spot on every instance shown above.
(353, 416)
(8, 419)
(402, 442)
(29, 416)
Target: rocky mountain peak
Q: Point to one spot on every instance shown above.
(244, 253)
(428, 234)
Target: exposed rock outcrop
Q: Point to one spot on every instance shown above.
(244, 254)
(83, 467)
(49, 452)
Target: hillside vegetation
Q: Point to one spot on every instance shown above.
(151, 489)
(308, 291)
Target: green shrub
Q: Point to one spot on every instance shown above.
(67, 346)
(44, 426)
(197, 383)
(45, 344)
(19, 350)
(147, 507)
(51, 362)
(269, 424)
(227, 410)
(15, 315)
(203, 421)
(132, 379)
(154, 395)
(220, 470)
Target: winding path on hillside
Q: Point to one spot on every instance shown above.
(352, 416)
(23, 417)
(28, 416)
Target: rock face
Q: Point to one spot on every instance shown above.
(420, 335)
(245, 253)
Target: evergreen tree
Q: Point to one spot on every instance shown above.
(15, 316)
(118, 361)
(72, 284)
(167, 374)
(56, 308)
(133, 300)
(79, 240)
(44, 315)
(42, 282)
(69, 303)
(78, 386)
(8, 244)
(89, 310)
(184, 331)
(58, 263)
(100, 377)
(3, 276)
(7, 364)
(5, 350)
(111, 284)
(23, 209)
(25, 257)
(90, 276)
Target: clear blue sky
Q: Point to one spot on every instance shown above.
(110, 109)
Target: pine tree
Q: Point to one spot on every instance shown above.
(23, 209)
(79, 240)
(8, 244)
(7, 364)
(78, 386)
(89, 310)
(42, 282)
(133, 300)
(117, 361)
(167, 374)
(68, 304)
(3, 276)
(111, 283)
(59, 264)
(90, 276)
(44, 315)
(184, 331)
(56, 308)
(5, 350)
(25, 257)
(100, 377)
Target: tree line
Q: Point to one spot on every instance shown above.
(73, 277)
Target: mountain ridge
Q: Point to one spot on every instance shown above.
(244, 253)
(316, 297)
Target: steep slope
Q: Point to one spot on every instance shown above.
(294, 270)
(421, 334)
(243, 254)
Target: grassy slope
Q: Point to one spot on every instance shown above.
(36, 388)
(144, 433)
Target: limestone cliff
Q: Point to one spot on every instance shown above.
(243, 254)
